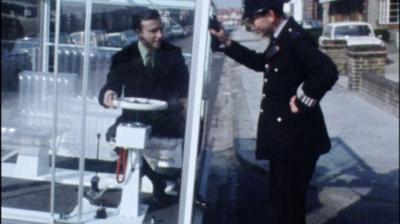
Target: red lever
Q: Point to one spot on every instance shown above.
(121, 163)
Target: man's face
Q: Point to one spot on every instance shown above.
(151, 33)
(264, 24)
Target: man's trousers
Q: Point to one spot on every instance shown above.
(288, 187)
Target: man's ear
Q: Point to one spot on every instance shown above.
(271, 16)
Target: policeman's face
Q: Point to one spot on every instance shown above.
(263, 24)
(151, 33)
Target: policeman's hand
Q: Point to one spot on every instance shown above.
(221, 36)
(293, 106)
(109, 97)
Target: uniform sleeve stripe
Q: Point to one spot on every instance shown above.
(308, 101)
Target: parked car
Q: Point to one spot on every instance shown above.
(25, 12)
(311, 24)
(188, 29)
(128, 37)
(177, 31)
(25, 45)
(98, 38)
(115, 39)
(65, 38)
(355, 33)
(167, 31)
(28, 44)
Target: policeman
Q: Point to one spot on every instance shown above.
(291, 128)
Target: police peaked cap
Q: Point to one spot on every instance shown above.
(252, 7)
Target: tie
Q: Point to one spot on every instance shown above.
(149, 60)
(148, 65)
(273, 48)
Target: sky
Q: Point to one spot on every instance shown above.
(228, 3)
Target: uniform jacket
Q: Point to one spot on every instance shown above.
(292, 65)
(168, 80)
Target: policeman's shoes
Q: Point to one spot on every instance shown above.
(200, 202)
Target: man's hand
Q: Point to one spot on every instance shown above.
(221, 36)
(109, 97)
(293, 106)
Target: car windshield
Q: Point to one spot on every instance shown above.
(327, 31)
(353, 30)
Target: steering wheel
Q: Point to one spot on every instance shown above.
(142, 104)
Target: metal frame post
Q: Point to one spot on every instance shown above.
(198, 63)
(55, 111)
(86, 67)
(44, 34)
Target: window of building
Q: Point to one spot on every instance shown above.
(389, 11)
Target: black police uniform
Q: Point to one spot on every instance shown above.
(292, 66)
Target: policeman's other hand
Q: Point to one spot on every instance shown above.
(109, 97)
(221, 36)
(293, 106)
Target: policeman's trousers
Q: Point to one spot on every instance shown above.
(288, 187)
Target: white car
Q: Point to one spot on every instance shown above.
(355, 33)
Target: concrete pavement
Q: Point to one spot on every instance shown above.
(361, 172)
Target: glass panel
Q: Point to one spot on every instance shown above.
(166, 79)
(25, 129)
(70, 107)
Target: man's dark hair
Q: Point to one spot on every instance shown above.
(147, 14)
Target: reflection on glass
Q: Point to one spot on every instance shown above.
(27, 112)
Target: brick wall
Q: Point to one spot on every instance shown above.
(362, 60)
(381, 91)
(365, 68)
(336, 50)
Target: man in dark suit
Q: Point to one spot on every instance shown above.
(291, 128)
(149, 68)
